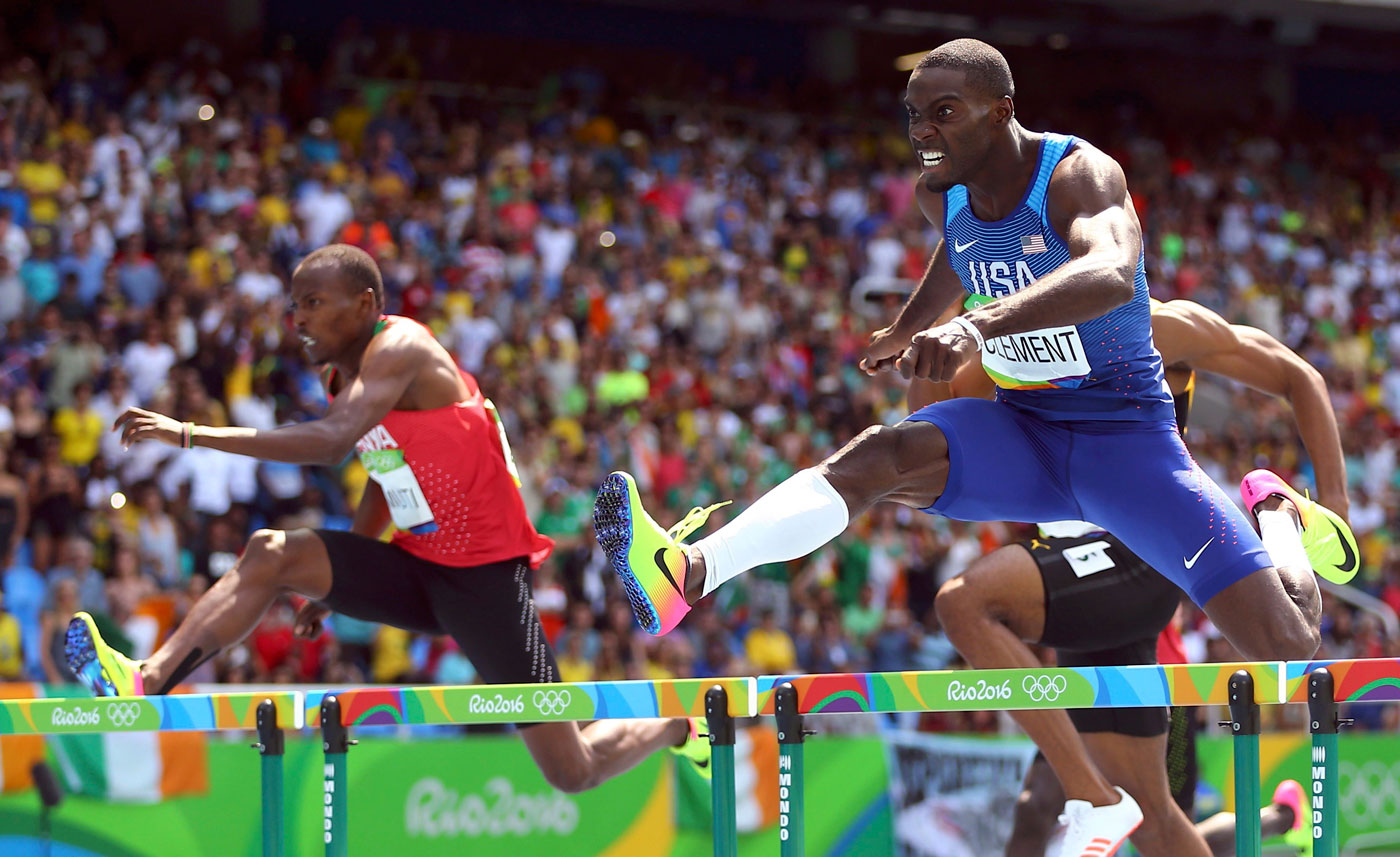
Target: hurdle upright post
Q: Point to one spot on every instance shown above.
(271, 747)
(1244, 724)
(335, 742)
(792, 818)
(1321, 809)
(724, 826)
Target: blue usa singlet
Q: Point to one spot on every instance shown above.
(1102, 369)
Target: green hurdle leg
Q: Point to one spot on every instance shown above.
(1244, 725)
(271, 747)
(725, 827)
(335, 743)
(792, 819)
(1325, 794)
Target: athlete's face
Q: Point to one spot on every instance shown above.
(951, 126)
(328, 313)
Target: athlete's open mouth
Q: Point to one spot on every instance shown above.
(928, 160)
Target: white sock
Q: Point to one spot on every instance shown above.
(794, 519)
(1282, 541)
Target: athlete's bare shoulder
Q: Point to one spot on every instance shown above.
(1088, 188)
(407, 349)
(1086, 179)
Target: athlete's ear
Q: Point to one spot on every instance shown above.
(1005, 110)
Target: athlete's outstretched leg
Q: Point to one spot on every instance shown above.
(968, 459)
(987, 612)
(575, 760)
(907, 463)
(274, 562)
(663, 576)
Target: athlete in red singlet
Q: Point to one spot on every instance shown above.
(441, 471)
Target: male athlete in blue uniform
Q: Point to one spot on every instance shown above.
(1040, 226)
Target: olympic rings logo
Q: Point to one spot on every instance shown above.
(1044, 688)
(1369, 794)
(552, 701)
(122, 713)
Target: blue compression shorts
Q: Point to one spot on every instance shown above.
(1134, 479)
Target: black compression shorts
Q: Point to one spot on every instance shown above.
(487, 609)
(1103, 607)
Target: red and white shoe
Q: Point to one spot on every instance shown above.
(1098, 831)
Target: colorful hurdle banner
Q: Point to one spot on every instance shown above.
(1243, 687)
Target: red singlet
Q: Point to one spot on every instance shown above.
(450, 486)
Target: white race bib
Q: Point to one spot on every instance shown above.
(1035, 357)
(407, 505)
(1088, 559)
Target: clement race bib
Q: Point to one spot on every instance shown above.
(1035, 358)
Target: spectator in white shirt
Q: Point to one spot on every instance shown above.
(106, 164)
(323, 209)
(148, 361)
(256, 281)
(14, 244)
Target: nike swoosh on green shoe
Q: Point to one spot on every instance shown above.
(696, 748)
(1327, 539)
(102, 668)
(650, 562)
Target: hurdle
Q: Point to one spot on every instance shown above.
(1241, 687)
(720, 701)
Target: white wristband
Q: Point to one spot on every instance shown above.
(972, 331)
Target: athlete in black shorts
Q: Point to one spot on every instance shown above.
(1097, 604)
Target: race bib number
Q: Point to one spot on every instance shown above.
(1036, 357)
(407, 505)
(1088, 559)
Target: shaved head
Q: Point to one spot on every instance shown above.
(982, 65)
(353, 266)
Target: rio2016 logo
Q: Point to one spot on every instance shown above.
(497, 704)
(979, 691)
(76, 717)
(433, 810)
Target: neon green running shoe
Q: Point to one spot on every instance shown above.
(1290, 793)
(650, 562)
(102, 668)
(1328, 540)
(696, 748)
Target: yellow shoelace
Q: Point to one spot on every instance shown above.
(693, 520)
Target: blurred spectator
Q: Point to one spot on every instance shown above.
(769, 648)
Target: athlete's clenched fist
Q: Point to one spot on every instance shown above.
(937, 353)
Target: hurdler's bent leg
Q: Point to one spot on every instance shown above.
(987, 612)
(1181, 523)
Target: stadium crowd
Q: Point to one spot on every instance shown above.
(679, 292)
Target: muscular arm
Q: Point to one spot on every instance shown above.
(1090, 207)
(1188, 333)
(387, 368)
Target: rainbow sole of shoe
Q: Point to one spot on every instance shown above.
(612, 521)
